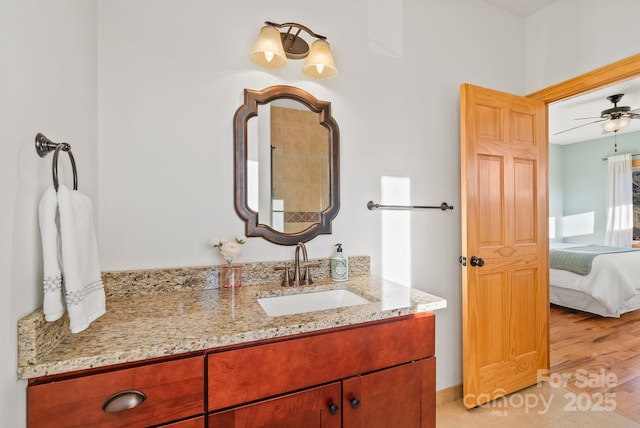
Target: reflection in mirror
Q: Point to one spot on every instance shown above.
(286, 165)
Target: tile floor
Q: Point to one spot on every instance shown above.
(544, 406)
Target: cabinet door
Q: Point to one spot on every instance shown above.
(312, 408)
(402, 396)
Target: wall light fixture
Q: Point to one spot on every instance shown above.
(272, 48)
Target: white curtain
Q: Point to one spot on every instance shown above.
(620, 202)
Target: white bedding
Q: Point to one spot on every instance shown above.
(613, 281)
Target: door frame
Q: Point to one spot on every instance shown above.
(619, 71)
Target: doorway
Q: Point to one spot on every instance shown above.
(614, 73)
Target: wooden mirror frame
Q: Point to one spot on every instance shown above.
(252, 99)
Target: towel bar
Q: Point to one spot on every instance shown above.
(45, 145)
(443, 206)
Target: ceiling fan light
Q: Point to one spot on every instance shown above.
(614, 125)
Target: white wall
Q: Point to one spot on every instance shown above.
(48, 84)
(571, 37)
(169, 77)
(579, 166)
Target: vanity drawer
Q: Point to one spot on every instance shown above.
(255, 372)
(173, 390)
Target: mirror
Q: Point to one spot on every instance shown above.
(286, 165)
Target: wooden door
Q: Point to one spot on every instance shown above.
(312, 408)
(402, 396)
(505, 295)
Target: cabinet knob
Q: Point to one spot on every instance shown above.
(123, 400)
(355, 403)
(333, 408)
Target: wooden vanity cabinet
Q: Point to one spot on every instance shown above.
(387, 367)
(369, 375)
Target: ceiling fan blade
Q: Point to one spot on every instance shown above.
(584, 118)
(580, 126)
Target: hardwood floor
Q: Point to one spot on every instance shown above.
(597, 356)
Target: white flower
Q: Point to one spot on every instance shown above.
(229, 249)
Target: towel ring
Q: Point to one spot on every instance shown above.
(44, 146)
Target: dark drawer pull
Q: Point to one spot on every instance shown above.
(123, 400)
(333, 408)
(355, 403)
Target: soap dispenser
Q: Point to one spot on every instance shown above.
(339, 265)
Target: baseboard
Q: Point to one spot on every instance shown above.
(447, 395)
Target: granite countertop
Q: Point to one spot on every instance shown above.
(170, 323)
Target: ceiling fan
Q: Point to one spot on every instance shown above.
(612, 119)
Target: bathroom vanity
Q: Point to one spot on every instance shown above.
(213, 357)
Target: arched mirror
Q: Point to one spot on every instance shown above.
(286, 165)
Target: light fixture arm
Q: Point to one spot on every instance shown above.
(298, 26)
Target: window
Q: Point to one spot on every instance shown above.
(636, 199)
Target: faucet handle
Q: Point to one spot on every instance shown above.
(286, 280)
(306, 278)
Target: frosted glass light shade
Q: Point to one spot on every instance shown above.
(319, 63)
(268, 51)
(616, 124)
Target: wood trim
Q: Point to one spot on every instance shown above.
(618, 71)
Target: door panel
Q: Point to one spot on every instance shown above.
(490, 203)
(488, 298)
(504, 223)
(525, 197)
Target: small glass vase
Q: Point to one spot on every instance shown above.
(230, 276)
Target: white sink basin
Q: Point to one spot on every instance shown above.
(310, 302)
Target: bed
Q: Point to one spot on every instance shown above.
(609, 287)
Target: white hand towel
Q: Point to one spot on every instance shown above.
(53, 304)
(84, 291)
